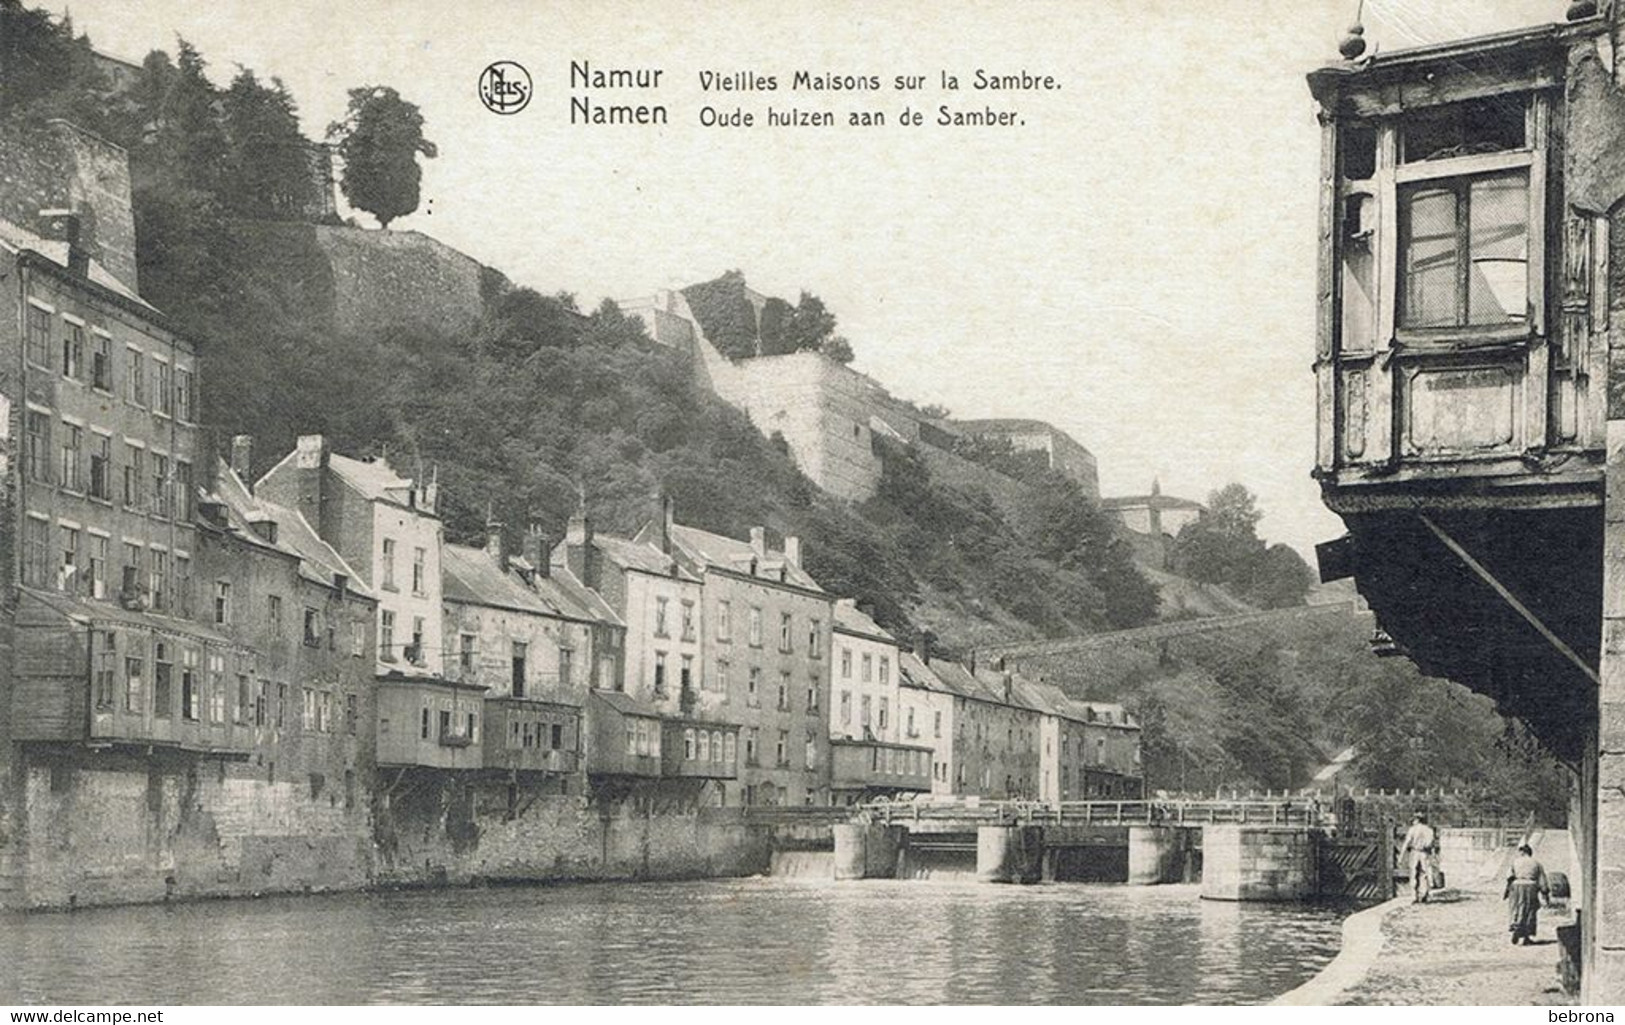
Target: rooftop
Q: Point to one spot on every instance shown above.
(715, 551)
(15, 239)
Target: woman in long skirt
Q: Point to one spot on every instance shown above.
(1525, 890)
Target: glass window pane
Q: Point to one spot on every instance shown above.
(1498, 241)
(1430, 259)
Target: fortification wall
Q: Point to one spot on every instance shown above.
(60, 165)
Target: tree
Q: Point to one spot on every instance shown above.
(379, 141)
(267, 169)
(1280, 578)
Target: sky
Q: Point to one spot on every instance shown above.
(1134, 263)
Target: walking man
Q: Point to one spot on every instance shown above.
(1421, 847)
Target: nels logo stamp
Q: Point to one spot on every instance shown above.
(505, 87)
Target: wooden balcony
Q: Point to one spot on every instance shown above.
(92, 673)
(522, 735)
(878, 766)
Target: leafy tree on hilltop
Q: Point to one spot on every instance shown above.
(267, 171)
(1222, 546)
(379, 140)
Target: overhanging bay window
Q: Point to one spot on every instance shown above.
(1433, 329)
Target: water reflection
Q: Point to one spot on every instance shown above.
(744, 941)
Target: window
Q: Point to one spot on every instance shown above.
(782, 751)
(814, 648)
(703, 753)
(867, 709)
(101, 362)
(846, 707)
(868, 673)
(307, 717)
(73, 352)
(415, 654)
(1465, 251)
(753, 687)
(660, 617)
(164, 384)
(812, 750)
(880, 722)
(566, 666)
(132, 476)
(785, 628)
(885, 670)
(386, 635)
(135, 377)
(660, 674)
(106, 667)
(312, 627)
(812, 694)
(685, 679)
(39, 336)
(184, 399)
(783, 704)
(184, 495)
(67, 572)
(37, 552)
(1492, 125)
(689, 747)
(517, 677)
(724, 621)
(909, 726)
(37, 453)
(245, 700)
(222, 601)
(465, 654)
(281, 704)
(133, 669)
(162, 693)
(97, 566)
(688, 620)
(157, 579)
(755, 627)
(217, 683)
(419, 571)
(273, 613)
(389, 563)
(730, 748)
(752, 735)
(183, 584)
(101, 467)
(423, 728)
(262, 702)
(719, 677)
(160, 484)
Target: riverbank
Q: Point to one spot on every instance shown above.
(1453, 951)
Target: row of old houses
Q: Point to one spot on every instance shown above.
(315, 624)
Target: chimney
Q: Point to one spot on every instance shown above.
(64, 225)
(668, 519)
(580, 555)
(970, 661)
(792, 550)
(496, 541)
(758, 542)
(922, 646)
(311, 457)
(1009, 688)
(242, 458)
(538, 549)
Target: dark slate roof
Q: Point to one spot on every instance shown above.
(719, 552)
(318, 561)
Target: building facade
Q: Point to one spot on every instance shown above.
(767, 643)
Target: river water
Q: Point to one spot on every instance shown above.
(727, 941)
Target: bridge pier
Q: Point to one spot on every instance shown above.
(866, 850)
(1262, 863)
(1156, 854)
(1009, 854)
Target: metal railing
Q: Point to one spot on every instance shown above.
(1097, 813)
